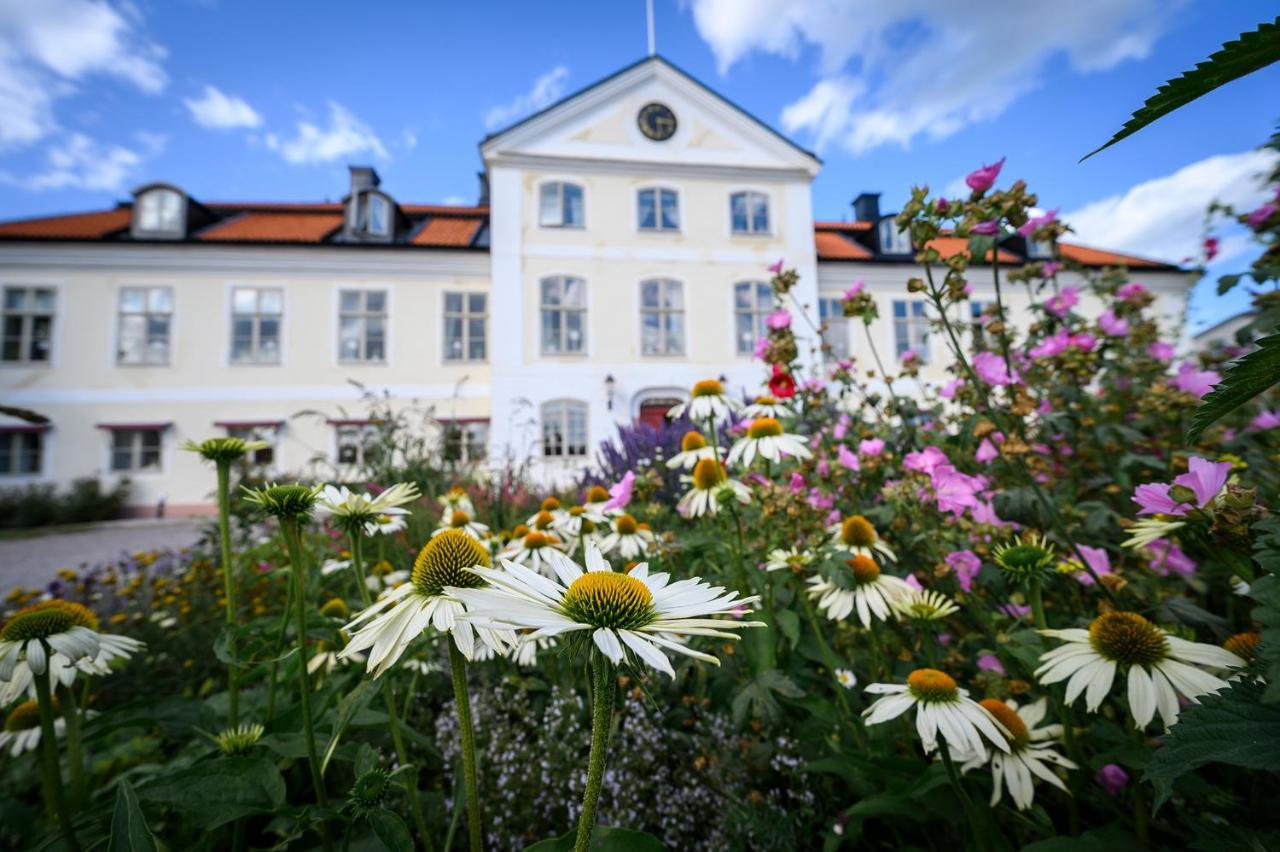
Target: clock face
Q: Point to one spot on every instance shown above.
(657, 121)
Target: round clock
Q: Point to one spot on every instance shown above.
(657, 121)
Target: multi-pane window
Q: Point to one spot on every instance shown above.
(362, 326)
(135, 450)
(893, 241)
(564, 428)
(1039, 249)
(21, 452)
(262, 458)
(144, 323)
(379, 215)
(659, 210)
(752, 301)
(911, 329)
(661, 317)
(835, 334)
(466, 320)
(257, 314)
(465, 441)
(560, 205)
(564, 315)
(749, 212)
(978, 317)
(160, 211)
(357, 443)
(28, 325)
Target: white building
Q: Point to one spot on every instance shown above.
(617, 255)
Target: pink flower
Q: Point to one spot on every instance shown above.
(1060, 304)
(762, 345)
(1259, 217)
(1153, 499)
(1083, 341)
(986, 452)
(925, 460)
(620, 494)
(855, 289)
(1265, 420)
(1112, 779)
(1131, 292)
(965, 564)
(779, 319)
(909, 357)
(797, 483)
(1204, 478)
(985, 513)
(989, 228)
(833, 517)
(992, 369)
(941, 205)
(1161, 351)
(871, 447)
(847, 459)
(1052, 268)
(1210, 248)
(1015, 611)
(1052, 346)
(1193, 381)
(990, 663)
(1167, 558)
(911, 581)
(980, 180)
(1097, 559)
(948, 390)
(955, 491)
(818, 500)
(775, 268)
(1035, 223)
(824, 469)
(1113, 325)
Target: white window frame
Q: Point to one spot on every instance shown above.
(659, 226)
(27, 316)
(663, 313)
(255, 359)
(152, 202)
(378, 200)
(466, 316)
(363, 315)
(545, 307)
(546, 218)
(560, 412)
(752, 230)
(136, 451)
(13, 439)
(832, 319)
(893, 241)
(911, 330)
(364, 431)
(761, 306)
(474, 444)
(147, 314)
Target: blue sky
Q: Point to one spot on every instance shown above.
(96, 98)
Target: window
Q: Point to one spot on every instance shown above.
(752, 301)
(1040, 249)
(560, 206)
(135, 450)
(466, 441)
(835, 328)
(661, 317)
(379, 221)
(978, 316)
(160, 211)
(564, 428)
(911, 329)
(261, 459)
(659, 210)
(28, 325)
(256, 316)
(143, 336)
(358, 443)
(21, 451)
(749, 212)
(362, 326)
(893, 241)
(564, 316)
(466, 321)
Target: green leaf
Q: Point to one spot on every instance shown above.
(603, 839)
(1266, 591)
(1232, 727)
(1245, 378)
(1252, 51)
(351, 704)
(1227, 283)
(1108, 838)
(129, 831)
(219, 791)
(789, 623)
(390, 830)
(775, 680)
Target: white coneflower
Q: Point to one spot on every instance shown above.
(533, 549)
(767, 406)
(527, 649)
(593, 507)
(639, 611)
(55, 639)
(239, 739)
(1030, 748)
(371, 513)
(922, 605)
(766, 438)
(333, 566)
(629, 538)
(873, 593)
(460, 520)
(942, 708)
(788, 559)
(22, 728)
(456, 500)
(549, 515)
(328, 658)
(846, 678)
(858, 536)
(708, 482)
(1143, 531)
(707, 403)
(385, 525)
(400, 617)
(1159, 667)
(693, 449)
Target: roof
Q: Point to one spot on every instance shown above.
(1099, 257)
(95, 225)
(832, 245)
(273, 228)
(951, 246)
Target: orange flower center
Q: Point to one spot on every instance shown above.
(1012, 721)
(626, 525)
(692, 441)
(856, 531)
(932, 685)
(865, 569)
(708, 387)
(708, 473)
(764, 427)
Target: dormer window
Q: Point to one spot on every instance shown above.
(159, 211)
(892, 240)
(1039, 249)
(372, 216)
(379, 216)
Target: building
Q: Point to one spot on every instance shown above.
(617, 254)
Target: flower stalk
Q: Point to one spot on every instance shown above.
(603, 685)
(52, 772)
(458, 667)
(75, 752)
(229, 589)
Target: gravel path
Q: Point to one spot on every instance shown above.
(35, 561)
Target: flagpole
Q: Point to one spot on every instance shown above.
(648, 9)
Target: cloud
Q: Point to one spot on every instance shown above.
(79, 162)
(345, 135)
(546, 90)
(48, 47)
(1164, 217)
(894, 72)
(219, 111)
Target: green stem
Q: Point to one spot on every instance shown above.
(229, 590)
(357, 567)
(281, 634)
(49, 766)
(832, 663)
(75, 754)
(1037, 604)
(1141, 816)
(458, 665)
(978, 829)
(601, 717)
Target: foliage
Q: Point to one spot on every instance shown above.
(84, 501)
(1243, 380)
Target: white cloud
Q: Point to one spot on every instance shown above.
(1164, 217)
(220, 111)
(79, 162)
(546, 90)
(344, 136)
(48, 47)
(453, 201)
(893, 72)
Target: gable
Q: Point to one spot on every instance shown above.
(600, 125)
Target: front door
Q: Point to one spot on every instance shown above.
(653, 412)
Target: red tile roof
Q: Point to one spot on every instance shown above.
(950, 246)
(1099, 257)
(833, 246)
(843, 226)
(75, 226)
(273, 228)
(448, 231)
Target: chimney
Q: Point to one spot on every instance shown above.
(363, 177)
(866, 207)
(484, 189)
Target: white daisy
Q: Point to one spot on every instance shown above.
(593, 507)
(708, 482)
(22, 728)
(549, 515)
(788, 559)
(385, 525)
(941, 708)
(873, 594)
(858, 536)
(333, 566)
(629, 538)
(387, 627)
(693, 449)
(372, 513)
(460, 520)
(767, 406)
(55, 639)
(639, 611)
(533, 549)
(325, 657)
(456, 500)
(1030, 749)
(922, 605)
(707, 403)
(846, 678)
(765, 438)
(1160, 667)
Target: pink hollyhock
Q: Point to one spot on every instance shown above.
(986, 452)
(824, 469)
(779, 319)
(985, 513)
(620, 493)
(942, 205)
(1112, 779)
(1083, 341)
(1211, 248)
(925, 460)
(847, 459)
(797, 483)
(911, 581)
(1035, 223)
(775, 268)
(855, 289)
(1113, 325)
(1131, 292)
(814, 386)
(1153, 499)
(965, 565)
(990, 663)
(1052, 346)
(1193, 381)
(841, 428)
(989, 228)
(955, 491)
(833, 517)
(1161, 351)
(1167, 558)
(1265, 420)
(1052, 268)
(1204, 478)
(980, 180)
(762, 346)
(1097, 559)
(909, 357)
(1259, 217)
(948, 390)
(1060, 304)
(992, 369)
(871, 447)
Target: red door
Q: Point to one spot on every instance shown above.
(653, 412)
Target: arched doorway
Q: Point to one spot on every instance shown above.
(652, 405)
